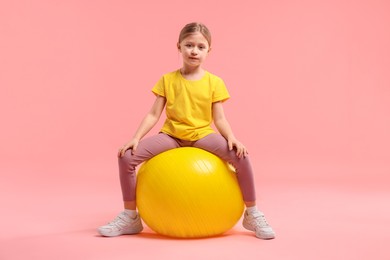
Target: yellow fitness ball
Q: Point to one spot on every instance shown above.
(188, 193)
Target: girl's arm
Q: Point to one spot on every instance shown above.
(146, 125)
(225, 130)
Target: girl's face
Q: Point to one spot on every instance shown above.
(194, 49)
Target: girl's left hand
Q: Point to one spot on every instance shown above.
(241, 150)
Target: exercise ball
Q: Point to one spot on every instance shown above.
(188, 193)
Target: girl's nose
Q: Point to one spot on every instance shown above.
(194, 51)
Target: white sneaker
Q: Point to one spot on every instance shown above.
(123, 224)
(256, 222)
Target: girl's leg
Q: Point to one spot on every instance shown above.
(129, 221)
(147, 148)
(217, 144)
(253, 220)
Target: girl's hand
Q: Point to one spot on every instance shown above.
(132, 144)
(241, 150)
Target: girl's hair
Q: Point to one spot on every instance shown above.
(195, 27)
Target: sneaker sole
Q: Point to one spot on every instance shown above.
(116, 234)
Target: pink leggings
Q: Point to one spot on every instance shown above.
(151, 146)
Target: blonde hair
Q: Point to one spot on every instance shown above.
(192, 28)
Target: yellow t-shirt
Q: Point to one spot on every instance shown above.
(189, 104)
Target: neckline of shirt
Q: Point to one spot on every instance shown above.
(192, 80)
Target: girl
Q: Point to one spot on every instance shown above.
(192, 98)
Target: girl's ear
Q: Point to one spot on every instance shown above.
(178, 46)
(209, 49)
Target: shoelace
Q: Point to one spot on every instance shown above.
(117, 222)
(260, 220)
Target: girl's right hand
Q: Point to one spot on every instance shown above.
(132, 144)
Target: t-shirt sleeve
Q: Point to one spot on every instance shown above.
(159, 88)
(220, 92)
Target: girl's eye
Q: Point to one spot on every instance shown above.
(188, 45)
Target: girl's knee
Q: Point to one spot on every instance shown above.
(126, 158)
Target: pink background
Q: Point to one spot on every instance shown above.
(310, 90)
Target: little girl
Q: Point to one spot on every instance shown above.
(193, 99)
